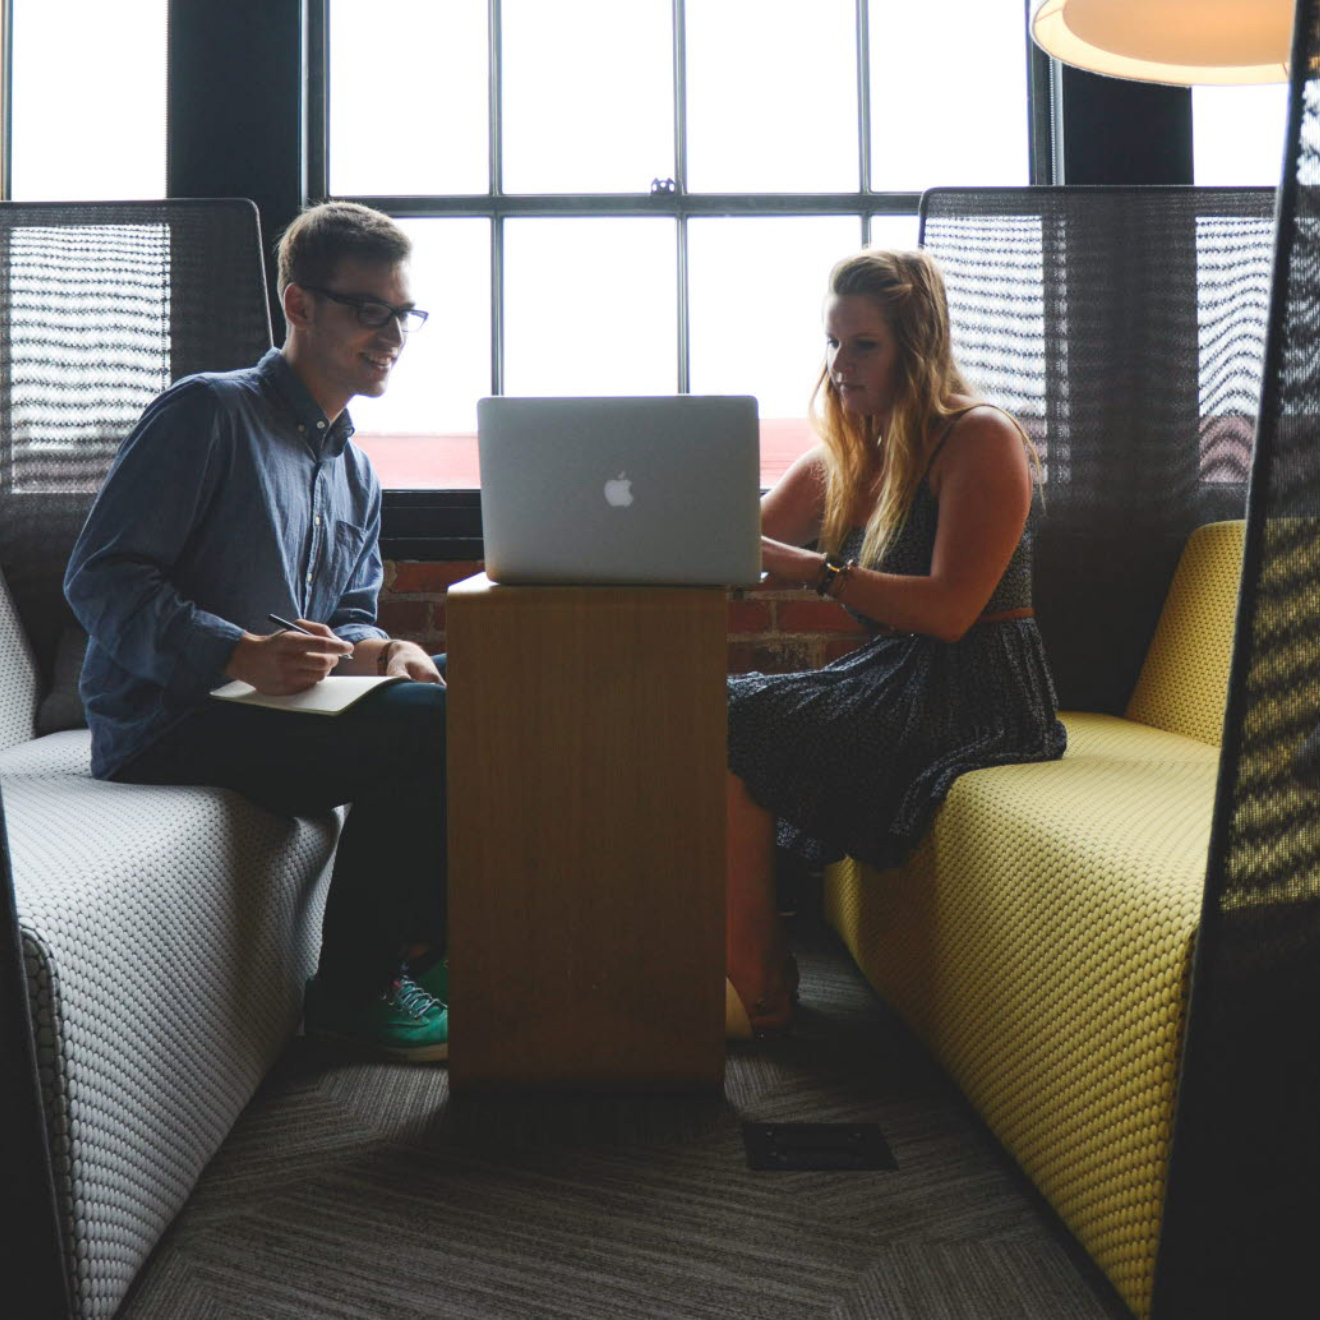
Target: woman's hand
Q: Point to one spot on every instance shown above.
(790, 565)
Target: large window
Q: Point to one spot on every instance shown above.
(1237, 134)
(646, 197)
(87, 108)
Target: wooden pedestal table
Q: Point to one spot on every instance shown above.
(586, 735)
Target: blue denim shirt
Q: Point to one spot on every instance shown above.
(233, 498)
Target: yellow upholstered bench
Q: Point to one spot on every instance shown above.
(1040, 938)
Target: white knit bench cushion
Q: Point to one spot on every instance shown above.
(167, 933)
(18, 676)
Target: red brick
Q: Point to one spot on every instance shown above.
(749, 616)
(410, 619)
(782, 656)
(740, 657)
(417, 577)
(815, 616)
(833, 650)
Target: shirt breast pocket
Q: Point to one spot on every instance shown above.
(347, 541)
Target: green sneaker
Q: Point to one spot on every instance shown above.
(403, 1022)
(434, 979)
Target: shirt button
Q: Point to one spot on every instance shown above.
(320, 426)
(302, 430)
(317, 520)
(309, 577)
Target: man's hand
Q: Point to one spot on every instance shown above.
(407, 660)
(286, 662)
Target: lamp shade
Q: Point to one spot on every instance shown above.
(1169, 41)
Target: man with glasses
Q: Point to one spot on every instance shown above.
(239, 496)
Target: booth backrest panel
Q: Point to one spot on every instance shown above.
(1124, 327)
(98, 314)
(1184, 681)
(18, 676)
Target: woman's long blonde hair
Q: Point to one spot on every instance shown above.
(908, 289)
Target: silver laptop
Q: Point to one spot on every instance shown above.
(647, 491)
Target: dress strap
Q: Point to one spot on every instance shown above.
(956, 417)
(948, 431)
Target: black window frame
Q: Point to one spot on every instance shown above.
(246, 118)
(444, 523)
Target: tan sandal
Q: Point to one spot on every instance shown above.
(737, 1025)
(760, 1023)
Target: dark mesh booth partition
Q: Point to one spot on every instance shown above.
(1125, 328)
(103, 306)
(1242, 1214)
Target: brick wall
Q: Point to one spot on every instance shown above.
(772, 631)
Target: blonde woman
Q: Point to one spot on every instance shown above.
(918, 505)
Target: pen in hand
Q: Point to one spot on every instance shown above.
(290, 626)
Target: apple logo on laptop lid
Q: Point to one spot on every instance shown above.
(618, 491)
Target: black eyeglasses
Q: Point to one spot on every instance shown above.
(373, 313)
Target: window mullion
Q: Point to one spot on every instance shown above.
(6, 100)
(495, 87)
(864, 107)
(497, 305)
(315, 183)
(1044, 127)
(680, 95)
(684, 339)
(495, 64)
(416, 206)
(679, 13)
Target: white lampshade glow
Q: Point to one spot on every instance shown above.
(1169, 41)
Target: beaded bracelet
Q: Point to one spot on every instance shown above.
(841, 577)
(833, 576)
(829, 570)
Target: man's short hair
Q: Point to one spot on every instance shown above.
(322, 236)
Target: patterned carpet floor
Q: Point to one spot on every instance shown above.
(356, 1191)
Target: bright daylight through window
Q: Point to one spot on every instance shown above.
(1237, 134)
(544, 260)
(562, 275)
(88, 100)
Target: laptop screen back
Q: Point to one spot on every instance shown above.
(646, 491)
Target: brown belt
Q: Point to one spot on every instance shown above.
(1000, 615)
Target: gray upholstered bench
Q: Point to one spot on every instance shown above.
(165, 934)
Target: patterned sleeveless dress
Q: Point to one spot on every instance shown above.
(855, 757)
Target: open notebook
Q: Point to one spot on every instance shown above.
(328, 697)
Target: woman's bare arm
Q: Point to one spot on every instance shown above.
(791, 510)
(983, 484)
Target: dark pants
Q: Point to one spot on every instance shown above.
(385, 756)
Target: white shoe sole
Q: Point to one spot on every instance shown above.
(398, 1054)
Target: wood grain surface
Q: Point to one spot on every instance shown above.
(586, 737)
